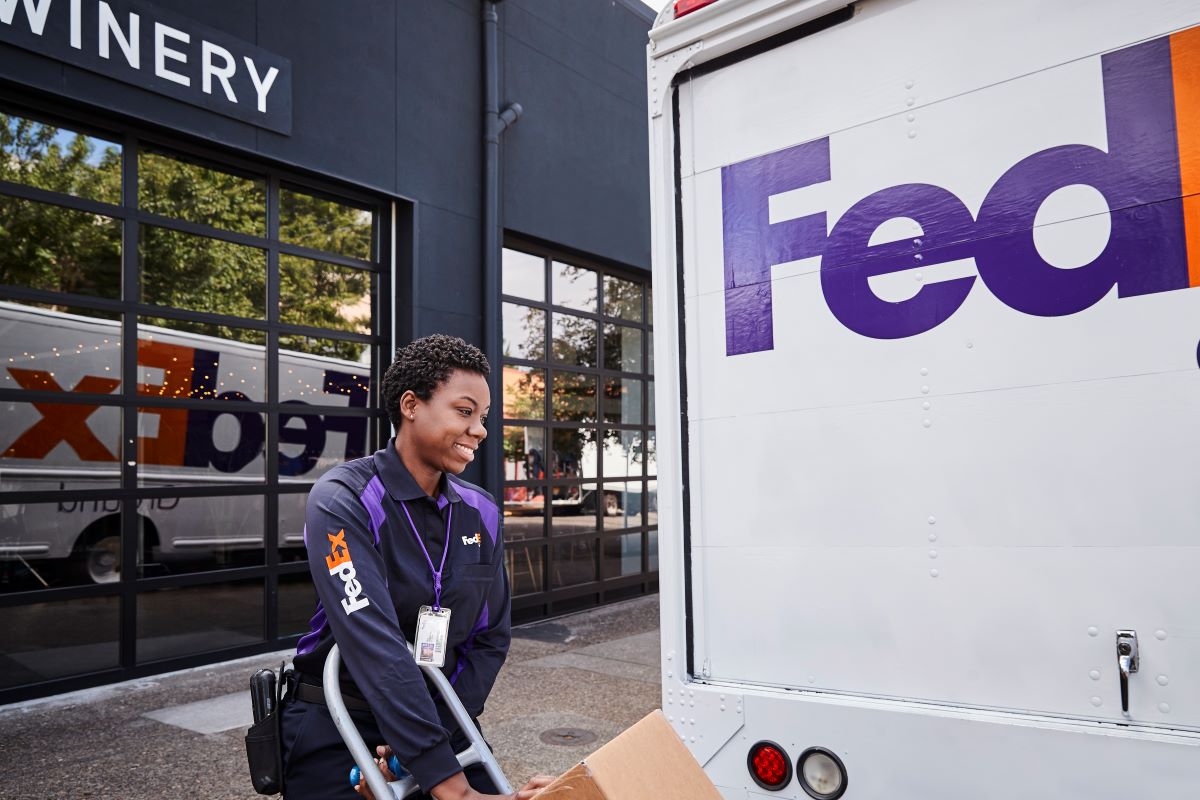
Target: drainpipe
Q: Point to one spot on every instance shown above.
(495, 122)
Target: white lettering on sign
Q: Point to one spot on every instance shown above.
(35, 13)
(183, 54)
(110, 28)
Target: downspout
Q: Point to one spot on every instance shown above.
(495, 122)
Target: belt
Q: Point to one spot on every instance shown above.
(315, 693)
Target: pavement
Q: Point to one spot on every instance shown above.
(570, 685)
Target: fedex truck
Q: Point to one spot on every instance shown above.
(928, 272)
(59, 446)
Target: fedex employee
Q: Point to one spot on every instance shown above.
(400, 550)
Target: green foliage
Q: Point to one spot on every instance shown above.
(58, 249)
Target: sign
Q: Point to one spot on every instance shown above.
(154, 49)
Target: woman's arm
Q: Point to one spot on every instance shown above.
(349, 576)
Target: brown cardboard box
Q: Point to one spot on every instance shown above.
(646, 762)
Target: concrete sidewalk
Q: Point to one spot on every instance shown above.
(570, 685)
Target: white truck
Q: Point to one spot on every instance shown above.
(49, 446)
(928, 272)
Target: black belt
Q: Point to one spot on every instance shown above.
(315, 693)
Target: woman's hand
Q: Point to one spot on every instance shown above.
(535, 785)
(456, 787)
(382, 752)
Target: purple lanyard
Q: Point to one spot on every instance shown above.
(437, 573)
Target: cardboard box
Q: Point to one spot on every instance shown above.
(646, 762)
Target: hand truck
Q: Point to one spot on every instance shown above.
(477, 751)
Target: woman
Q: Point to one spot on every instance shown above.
(400, 550)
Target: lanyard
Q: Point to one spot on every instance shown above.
(437, 573)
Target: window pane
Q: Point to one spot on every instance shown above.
(622, 348)
(622, 505)
(202, 274)
(574, 340)
(524, 275)
(574, 397)
(59, 348)
(291, 526)
(198, 619)
(622, 555)
(524, 453)
(573, 287)
(574, 509)
(572, 563)
(59, 446)
(300, 353)
(649, 305)
(181, 359)
(623, 401)
(524, 392)
(652, 503)
(622, 298)
(651, 453)
(312, 444)
(574, 454)
(58, 249)
(525, 564)
(524, 332)
(59, 159)
(68, 543)
(43, 641)
(652, 551)
(197, 534)
(650, 401)
(297, 604)
(188, 447)
(324, 295)
(322, 224)
(180, 189)
(622, 454)
(524, 512)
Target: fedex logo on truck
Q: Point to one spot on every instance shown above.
(1149, 177)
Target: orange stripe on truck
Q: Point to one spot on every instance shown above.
(1185, 70)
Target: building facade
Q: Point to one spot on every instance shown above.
(218, 220)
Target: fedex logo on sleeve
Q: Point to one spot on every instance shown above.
(1149, 178)
(339, 564)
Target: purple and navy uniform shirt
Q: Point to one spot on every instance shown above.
(372, 576)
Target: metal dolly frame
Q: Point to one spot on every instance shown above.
(476, 753)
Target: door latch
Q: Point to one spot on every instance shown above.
(1127, 663)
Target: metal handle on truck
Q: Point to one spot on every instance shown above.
(476, 753)
(1127, 663)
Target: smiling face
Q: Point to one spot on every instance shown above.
(441, 434)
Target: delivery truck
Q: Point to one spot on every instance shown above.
(927, 314)
(53, 446)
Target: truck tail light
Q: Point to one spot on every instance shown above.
(685, 7)
(822, 774)
(769, 766)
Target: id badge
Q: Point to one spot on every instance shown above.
(433, 629)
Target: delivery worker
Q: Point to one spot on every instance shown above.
(400, 550)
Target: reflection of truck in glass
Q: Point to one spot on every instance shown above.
(927, 286)
(52, 446)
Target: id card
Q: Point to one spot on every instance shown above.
(433, 629)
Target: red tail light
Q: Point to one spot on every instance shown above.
(769, 766)
(684, 7)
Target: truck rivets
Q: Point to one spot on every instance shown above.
(933, 573)
(1162, 680)
(1094, 674)
(1160, 635)
(1097, 702)
(1164, 708)
(1093, 631)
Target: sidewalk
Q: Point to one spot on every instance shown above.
(570, 685)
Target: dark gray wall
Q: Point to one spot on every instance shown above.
(387, 96)
(576, 165)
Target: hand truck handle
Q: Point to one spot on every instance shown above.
(477, 753)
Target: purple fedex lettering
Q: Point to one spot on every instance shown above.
(1139, 177)
(753, 245)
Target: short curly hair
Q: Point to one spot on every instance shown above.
(423, 365)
